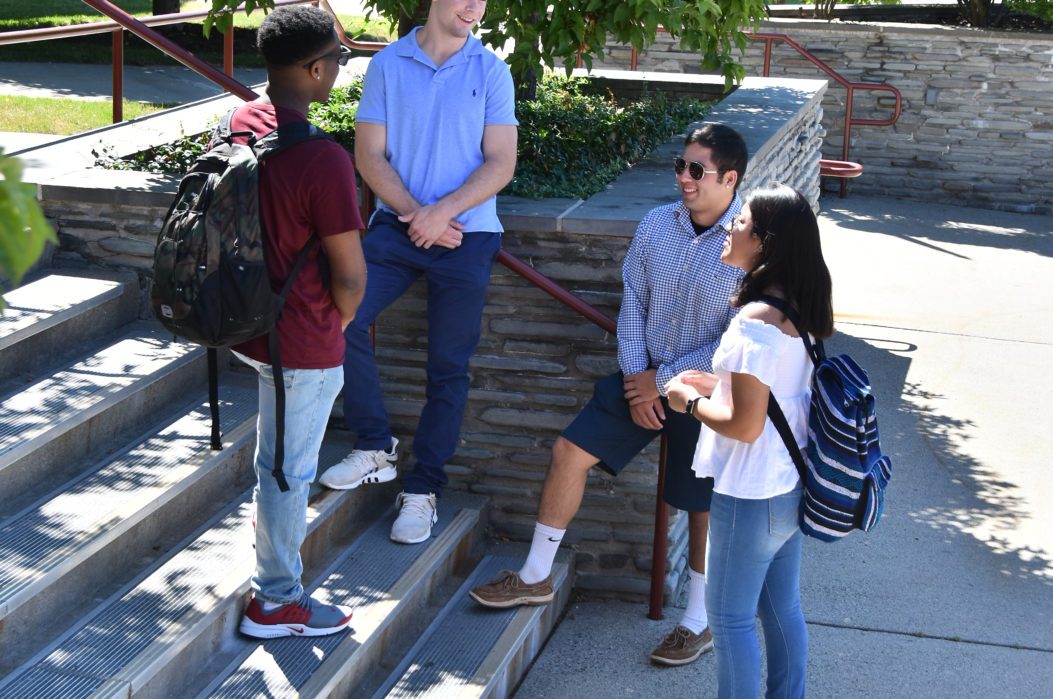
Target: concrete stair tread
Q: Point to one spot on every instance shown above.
(48, 301)
(51, 319)
(150, 612)
(376, 577)
(54, 535)
(469, 650)
(120, 646)
(87, 387)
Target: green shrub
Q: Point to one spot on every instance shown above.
(168, 158)
(571, 143)
(1043, 9)
(336, 116)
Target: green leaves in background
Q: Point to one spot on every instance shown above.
(573, 142)
(544, 33)
(23, 228)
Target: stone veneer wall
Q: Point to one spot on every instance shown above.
(977, 121)
(537, 360)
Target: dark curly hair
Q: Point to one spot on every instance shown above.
(294, 34)
(727, 144)
(790, 258)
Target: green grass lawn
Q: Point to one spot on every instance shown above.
(28, 14)
(61, 116)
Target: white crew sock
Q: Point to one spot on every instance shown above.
(543, 549)
(269, 607)
(695, 618)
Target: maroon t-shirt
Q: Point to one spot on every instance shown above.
(308, 189)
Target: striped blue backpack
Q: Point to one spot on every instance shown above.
(842, 467)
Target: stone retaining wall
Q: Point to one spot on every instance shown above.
(977, 122)
(537, 360)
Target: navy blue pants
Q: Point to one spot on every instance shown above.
(457, 282)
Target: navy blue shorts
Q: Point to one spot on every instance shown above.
(605, 429)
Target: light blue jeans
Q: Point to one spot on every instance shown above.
(754, 567)
(281, 518)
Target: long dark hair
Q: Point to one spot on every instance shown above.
(790, 258)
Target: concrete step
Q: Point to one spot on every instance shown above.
(152, 637)
(87, 537)
(50, 318)
(470, 651)
(90, 405)
(388, 585)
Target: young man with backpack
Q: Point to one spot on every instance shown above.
(304, 191)
(435, 137)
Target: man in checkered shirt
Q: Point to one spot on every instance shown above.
(674, 309)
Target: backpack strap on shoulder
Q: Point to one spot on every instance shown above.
(223, 132)
(287, 136)
(816, 351)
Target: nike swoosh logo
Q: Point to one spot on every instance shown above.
(556, 540)
(295, 629)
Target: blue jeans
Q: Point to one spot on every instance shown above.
(281, 518)
(754, 566)
(457, 282)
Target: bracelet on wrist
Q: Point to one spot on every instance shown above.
(690, 409)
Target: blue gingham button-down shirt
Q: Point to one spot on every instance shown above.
(675, 304)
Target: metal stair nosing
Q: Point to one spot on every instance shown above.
(41, 320)
(182, 653)
(378, 627)
(170, 656)
(523, 631)
(388, 585)
(140, 516)
(72, 432)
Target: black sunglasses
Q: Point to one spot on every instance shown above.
(342, 56)
(696, 169)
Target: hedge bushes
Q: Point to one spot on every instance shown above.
(571, 143)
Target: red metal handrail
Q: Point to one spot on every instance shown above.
(143, 31)
(121, 21)
(850, 87)
(842, 168)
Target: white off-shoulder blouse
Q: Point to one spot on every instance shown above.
(764, 468)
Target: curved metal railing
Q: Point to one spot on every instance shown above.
(835, 168)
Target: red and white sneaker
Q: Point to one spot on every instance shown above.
(305, 617)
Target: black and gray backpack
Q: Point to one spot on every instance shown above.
(210, 272)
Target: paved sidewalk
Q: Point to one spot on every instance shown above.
(950, 311)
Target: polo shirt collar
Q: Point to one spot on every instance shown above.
(407, 46)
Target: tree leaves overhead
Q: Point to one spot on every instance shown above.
(544, 33)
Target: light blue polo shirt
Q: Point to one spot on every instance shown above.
(435, 117)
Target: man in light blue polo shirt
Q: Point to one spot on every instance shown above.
(435, 138)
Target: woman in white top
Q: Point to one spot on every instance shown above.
(754, 535)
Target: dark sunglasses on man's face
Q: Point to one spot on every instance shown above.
(342, 54)
(694, 168)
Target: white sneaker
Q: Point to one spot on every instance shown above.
(416, 515)
(362, 466)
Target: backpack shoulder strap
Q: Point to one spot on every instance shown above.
(287, 136)
(816, 351)
(783, 427)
